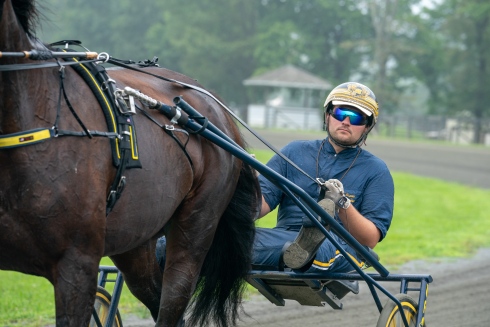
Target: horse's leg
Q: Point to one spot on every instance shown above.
(75, 283)
(189, 237)
(142, 275)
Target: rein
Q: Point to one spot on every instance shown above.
(16, 67)
(105, 58)
(199, 89)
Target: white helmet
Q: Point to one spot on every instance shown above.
(356, 95)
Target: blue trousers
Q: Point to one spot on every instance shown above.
(269, 244)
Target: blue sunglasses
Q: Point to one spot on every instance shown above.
(355, 118)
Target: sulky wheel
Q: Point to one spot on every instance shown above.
(390, 315)
(101, 306)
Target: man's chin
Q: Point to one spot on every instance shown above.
(343, 141)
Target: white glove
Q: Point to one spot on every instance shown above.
(336, 193)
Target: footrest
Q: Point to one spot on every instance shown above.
(305, 291)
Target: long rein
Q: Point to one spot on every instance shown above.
(100, 58)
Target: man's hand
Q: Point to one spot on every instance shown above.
(336, 193)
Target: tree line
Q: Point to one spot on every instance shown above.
(424, 57)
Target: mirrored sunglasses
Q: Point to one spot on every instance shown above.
(355, 118)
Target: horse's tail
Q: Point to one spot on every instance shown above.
(222, 283)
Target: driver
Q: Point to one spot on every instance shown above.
(358, 190)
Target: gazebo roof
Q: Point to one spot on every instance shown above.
(289, 76)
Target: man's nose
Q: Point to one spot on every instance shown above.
(346, 120)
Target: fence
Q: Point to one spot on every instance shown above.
(296, 118)
(457, 130)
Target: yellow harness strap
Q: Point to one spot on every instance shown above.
(24, 138)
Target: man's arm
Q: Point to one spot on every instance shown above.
(363, 230)
(264, 209)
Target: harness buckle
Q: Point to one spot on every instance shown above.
(55, 131)
(111, 197)
(105, 86)
(61, 71)
(121, 185)
(122, 100)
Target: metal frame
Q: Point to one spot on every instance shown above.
(104, 276)
(258, 278)
(202, 126)
(309, 205)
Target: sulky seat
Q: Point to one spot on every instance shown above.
(309, 289)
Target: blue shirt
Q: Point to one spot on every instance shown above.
(366, 179)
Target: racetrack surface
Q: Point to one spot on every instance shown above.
(459, 296)
(460, 293)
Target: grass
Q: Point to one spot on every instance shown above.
(433, 219)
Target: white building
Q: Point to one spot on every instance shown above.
(288, 98)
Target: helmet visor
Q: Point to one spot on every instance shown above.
(349, 103)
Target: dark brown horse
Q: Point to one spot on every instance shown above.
(53, 194)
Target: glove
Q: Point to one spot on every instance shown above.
(336, 193)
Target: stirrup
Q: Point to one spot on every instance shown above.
(304, 247)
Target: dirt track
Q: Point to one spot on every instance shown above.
(459, 296)
(460, 293)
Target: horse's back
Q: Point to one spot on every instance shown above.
(171, 174)
(212, 225)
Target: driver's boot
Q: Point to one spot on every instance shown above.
(304, 247)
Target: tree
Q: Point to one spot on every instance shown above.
(468, 30)
(210, 40)
(454, 60)
(428, 62)
(322, 36)
(391, 20)
(116, 27)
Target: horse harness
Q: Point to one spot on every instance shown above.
(118, 109)
(123, 137)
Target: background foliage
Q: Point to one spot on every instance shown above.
(395, 46)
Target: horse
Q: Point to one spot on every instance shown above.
(54, 215)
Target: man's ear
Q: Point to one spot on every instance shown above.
(325, 118)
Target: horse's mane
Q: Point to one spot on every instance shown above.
(27, 14)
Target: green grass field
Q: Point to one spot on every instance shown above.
(433, 220)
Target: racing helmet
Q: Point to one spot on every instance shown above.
(356, 95)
